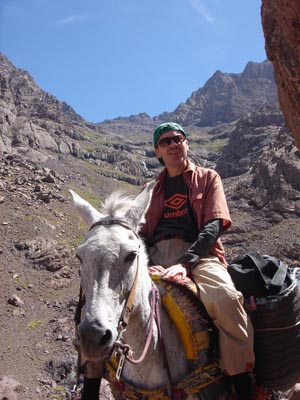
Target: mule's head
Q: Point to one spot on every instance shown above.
(109, 258)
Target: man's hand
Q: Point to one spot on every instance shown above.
(177, 270)
(156, 269)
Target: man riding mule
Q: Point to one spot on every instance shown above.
(125, 333)
(187, 214)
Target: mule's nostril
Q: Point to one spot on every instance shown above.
(94, 336)
(105, 338)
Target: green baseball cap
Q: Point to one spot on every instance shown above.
(165, 127)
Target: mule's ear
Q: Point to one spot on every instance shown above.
(136, 214)
(88, 213)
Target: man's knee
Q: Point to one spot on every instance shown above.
(214, 274)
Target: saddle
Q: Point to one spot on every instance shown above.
(196, 330)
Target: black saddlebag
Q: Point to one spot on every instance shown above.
(275, 315)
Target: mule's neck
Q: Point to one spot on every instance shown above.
(151, 373)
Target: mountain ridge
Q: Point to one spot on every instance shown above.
(226, 97)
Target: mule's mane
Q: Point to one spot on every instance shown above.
(117, 204)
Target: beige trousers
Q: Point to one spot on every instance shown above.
(222, 301)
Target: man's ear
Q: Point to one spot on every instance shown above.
(157, 152)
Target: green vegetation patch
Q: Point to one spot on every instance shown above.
(34, 324)
(217, 145)
(58, 393)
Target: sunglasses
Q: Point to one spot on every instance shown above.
(165, 142)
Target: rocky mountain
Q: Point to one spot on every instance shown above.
(224, 98)
(234, 124)
(34, 122)
(228, 97)
(32, 118)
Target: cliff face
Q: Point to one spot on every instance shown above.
(281, 25)
(247, 141)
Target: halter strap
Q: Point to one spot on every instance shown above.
(116, 221)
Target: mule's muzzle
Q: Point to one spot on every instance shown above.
(95, 340)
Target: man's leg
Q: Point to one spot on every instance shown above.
(212, 283)
(224, 305)
(168, 252)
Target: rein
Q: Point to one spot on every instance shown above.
(154, 302)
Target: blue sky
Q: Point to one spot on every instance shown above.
(110, 58)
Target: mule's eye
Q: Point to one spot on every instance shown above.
(130, 257)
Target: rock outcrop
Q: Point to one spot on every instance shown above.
(275, 178)
(247, 141)
(281, 25)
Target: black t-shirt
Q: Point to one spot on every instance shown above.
(177, 217)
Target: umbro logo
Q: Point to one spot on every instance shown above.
(176, 201)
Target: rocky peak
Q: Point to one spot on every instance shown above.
(141, 117)
(228, 97)
(29, 98)
(32, 121)
(6, 66)
(262, 70)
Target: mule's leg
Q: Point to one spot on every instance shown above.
(94, 370)
(92, 381)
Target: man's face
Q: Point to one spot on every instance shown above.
(172, 147)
